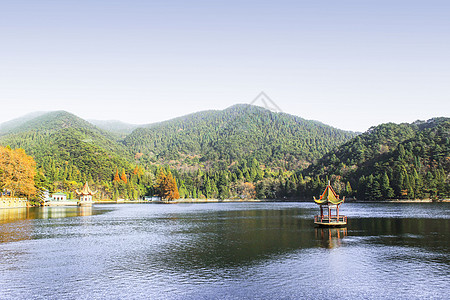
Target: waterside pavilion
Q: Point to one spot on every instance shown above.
(85, 196)
(329, 201)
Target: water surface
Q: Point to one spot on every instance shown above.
(224, 251)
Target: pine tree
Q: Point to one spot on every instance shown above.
(348, 189)
(386, 189)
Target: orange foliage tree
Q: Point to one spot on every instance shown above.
(166, 185)
(138, 171)
(124, 176)
(17, 171)
(116, 176)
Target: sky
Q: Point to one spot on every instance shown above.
(349, 64)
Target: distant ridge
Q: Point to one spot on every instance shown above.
(115, 126)
(10, 125)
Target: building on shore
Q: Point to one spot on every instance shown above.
(59, 197)
(13, 202)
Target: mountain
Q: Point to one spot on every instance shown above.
(8, 126)
(242, 151)
(392, 161)
(239, 132)
(67, 147)
(115, 127)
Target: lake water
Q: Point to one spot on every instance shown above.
(225, 251)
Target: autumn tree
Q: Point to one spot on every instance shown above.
(246, 190)
(124, 177)
(17, 171)
(116, 176)
(138, 171)
(166, 185)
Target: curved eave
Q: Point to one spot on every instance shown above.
(319, 202)
(329, 201)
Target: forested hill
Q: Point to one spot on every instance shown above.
(239, 132)
(9, 126)
(242, 150)
(392, 161)
(67, 147)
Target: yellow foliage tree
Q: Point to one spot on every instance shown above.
(116, 176)
(166, 186)
(17, 171)
(124, 176)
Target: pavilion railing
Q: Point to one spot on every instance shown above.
(330, 219)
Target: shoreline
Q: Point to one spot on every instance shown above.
(181, 201)
(23, 204)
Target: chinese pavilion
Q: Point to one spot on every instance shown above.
(85, 196)
(329, 201)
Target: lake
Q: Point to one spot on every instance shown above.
(225, 251)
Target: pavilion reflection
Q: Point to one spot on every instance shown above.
(330, 237)
(84, 211)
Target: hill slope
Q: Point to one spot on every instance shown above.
(115, 127)
(67, 147)
(239, 132)
(392, 161)
(11, 125)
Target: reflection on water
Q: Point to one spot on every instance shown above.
(16, 214)
(228, 250)
(18, 223)
(330, 237)
(15, 232)
(13, 214)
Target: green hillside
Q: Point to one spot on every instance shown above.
(68, 148)
(392, 161)
(239, 132)
(240, 152)
(11, 125)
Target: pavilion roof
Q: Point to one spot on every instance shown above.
(86, 190)
(329, 196)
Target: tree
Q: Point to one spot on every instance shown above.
(386, 189)
(166, 185)
(116, 176)
(348, 189)
(246, 190)
(17, 171)
(124, 177)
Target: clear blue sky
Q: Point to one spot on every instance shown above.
(350, 64)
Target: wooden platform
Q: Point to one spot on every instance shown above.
(330, 222)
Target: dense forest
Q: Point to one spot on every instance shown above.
(242, 152)
(221, 138)
(392, 161)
